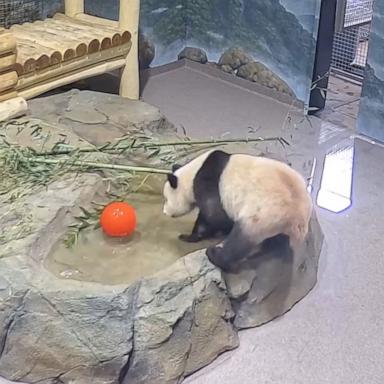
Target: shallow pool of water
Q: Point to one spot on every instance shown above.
(154, 246)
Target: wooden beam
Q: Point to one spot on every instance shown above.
(7, 43)
(7, 61)
(8, 95)
(12, 108)
(97, 20)
(129, 20)
(74, 7)
(69, 78)
(8, 80)
(29, 79)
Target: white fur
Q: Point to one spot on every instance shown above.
(180, 201)
(265, 196)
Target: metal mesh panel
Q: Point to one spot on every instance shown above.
(19, 11)
(350, 48)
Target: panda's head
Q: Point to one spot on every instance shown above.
(178, 193)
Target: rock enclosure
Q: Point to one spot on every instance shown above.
(156, 330)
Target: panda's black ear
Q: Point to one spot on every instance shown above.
(175, 167)
(172, 180)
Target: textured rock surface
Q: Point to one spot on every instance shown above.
(234, 58)
(260, 74)
(99, 117)
(157, 330)
(194, 54)
(272, 283)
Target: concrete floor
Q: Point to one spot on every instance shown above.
(336, 334)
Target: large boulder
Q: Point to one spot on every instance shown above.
(259, 73)
(99, 117)
(234, 58)
(193, 54)
(270, 284)
(157, 329)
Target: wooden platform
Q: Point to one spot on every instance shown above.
(62, 49)
(60, 39)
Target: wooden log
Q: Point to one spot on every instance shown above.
(62, 30)
(8, 80)
(112, 26)
(104, 37)
(81, 74)
(7, 43)
(7, 62)
(99, 31)
(73, 7)
(41, 45)
(62, 42)
(12, 108)
(129, 20)
(63, 69)
(27, 51)
(8, 95)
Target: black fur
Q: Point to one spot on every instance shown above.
(175, 167)
(212, 218)
(236, 247)
(173, 181)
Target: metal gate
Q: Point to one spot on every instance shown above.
(350, 47)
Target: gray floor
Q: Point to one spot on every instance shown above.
(336, 334)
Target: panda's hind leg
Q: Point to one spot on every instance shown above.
(235, 248)
(201, 231)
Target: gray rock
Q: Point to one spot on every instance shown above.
(234, 58)
(194, 54)
(99, 117)
(156, 330)
(272, 283)
(228, 69)
(259, 73)
(182, 323)
(147, 51)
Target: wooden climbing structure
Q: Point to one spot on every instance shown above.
(40, 56)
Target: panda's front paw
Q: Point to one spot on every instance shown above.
(193, 238)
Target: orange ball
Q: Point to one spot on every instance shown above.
(118, 219)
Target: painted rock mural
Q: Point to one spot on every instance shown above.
(278, 34)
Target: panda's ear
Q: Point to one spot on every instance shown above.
(175, 167)
(172, 180)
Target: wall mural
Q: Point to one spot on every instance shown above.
(371, 114)
(271, 42)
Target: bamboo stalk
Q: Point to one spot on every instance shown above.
(122, 148)
(91, 164)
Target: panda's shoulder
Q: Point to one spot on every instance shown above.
(214, 164)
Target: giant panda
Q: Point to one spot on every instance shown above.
(249, 199)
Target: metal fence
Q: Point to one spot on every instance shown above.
(350, 47)
(19, 11)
